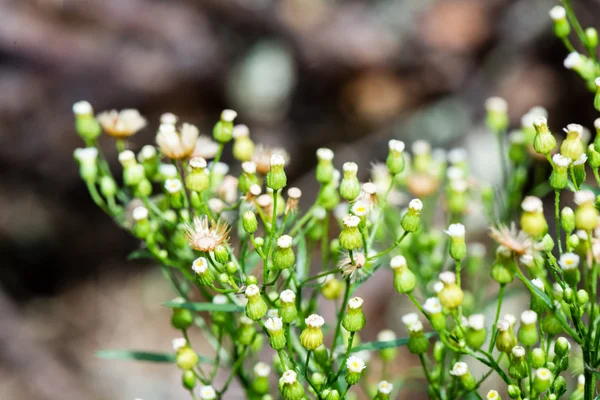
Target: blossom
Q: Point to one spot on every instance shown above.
(121, 124)
(207, 393)
(456, 230)
(415, 205)
(355, 364)
(315, 321)
(432, 305)
(355, 302)
(385, 387)
(476, 322)
(528, 317)
(287, 296)
(459, 369)
(200, 265)
(205, 236)
(205, 147)
(532, 204)
(178, 343)
(557, 13)
(274, 324)
(261, 369)
(568, 261)
(284, 242)
(289, 377)
(177, 145)
(583, 196)
(140, 213)
(513, 240)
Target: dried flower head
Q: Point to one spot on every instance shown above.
(349, 267)
(262, 157)
(121, 124)
(517, 242)
(205, 236)
(177, 145)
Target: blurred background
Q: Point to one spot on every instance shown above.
(301, 74)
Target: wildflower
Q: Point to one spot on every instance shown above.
(350, 186)
(86, 125)
(404, 279)
(533, 221)
(256, 307)
(369, 193)
(395, 159)
(360, 209)
(198, 179)
(505, 340)
(354, 368)
(417, 342)
(559, 176)
(294, 195)
(276, 336)
(331, 288)
(289, 386)
(324, 165)
(205, 236)
(572, 147)
(569, 261)
(123, 124)
(542, 380)
(528, 333)
(518, 368)
(586, 214)
(88, 169)
(476, 333)
(493, 395)
(458, 248)
(350, 237)
(511, 239)
(543, 142)
(283, 256)
(384, 389)
(411, 220)
(354, 319)
(287, 307)
(207, 393)
(177, 145)
(243, 146)
(223, 130)
(204, 274)
(461, 371)
(387, 335)
(451, 295)
(260, 384)
(262, 157)
(312, 336)
(205, 147)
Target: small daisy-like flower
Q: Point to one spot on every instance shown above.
(583, 197)
(410, 318)
(349, 268)
(314, 321)
(140, 213)
(456, 230)
(532, 204)
(492, 395)
(415, 205)
(121, 124)
(528, 317)
(325, 154)
(178, 343)
(360, 208)
(289, 377)
(384, 387)
(355, 364)
(386, 335)
(432, 305)
(173, 185)
(476, 322)
(459, 369)
(543, 374)
(274, 324)
(207, 393)
(252, 290)
(503, 325)
(355, 302)
(200, 265)
(287, 296)
(518, 351)
(205, 236)
(261, 369)
(569, 261)
(558, 13)
(561, 160)
(573, 60)
(515, 241)
(177, 145)
(496, 104)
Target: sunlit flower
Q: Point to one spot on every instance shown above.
(205, 236)
(177, 145)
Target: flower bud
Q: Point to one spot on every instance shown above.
(276, 335)
(243, 146)
(433, 308)
(256, 308)
(451, 296)
(458, 248)
(384, 389)
(551, 325)
(287, 306)
(538, 357)
(528, 333)
(312, 335)
(86, 125)
(354, 368)
(188, 379)
(204, 275)
(513, 392)
(88, 168)
(503, 269)
(582, 297)
(290, 388)
(493, 395)
(461, 371)
(260, 384)
(506, 340)
(567, 220)
(354, 319)
(186, 358)
(207, 393)
(572, 147)
(276, 178)
(223, 130)
(332, 395)
(181, 318)
(569, 263)
(404, 280)
(518, 368)
(350, 237)
(496, 115)
(542, 380)
(395, 159)
(417, 342)
(561, 24)
(249, 222)
(476, 333)
(283, 256)
(350, 186)
(586, 214)
(325, 166)
(560, 175)
(411, 220)
(543, 142)
(561, 347)
(331, 288)
(533, 221)
(388, 354)
(246, 331)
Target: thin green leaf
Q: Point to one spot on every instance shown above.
(205, 306)
(539, 293)
(301, 258)
(378, 345)
(140, 254)
(136, 356)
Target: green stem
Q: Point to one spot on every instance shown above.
(557, 219)
(340, 317)
(498, 308)
(346, 355)
(573, 20)
(322, 274)
(391, 248)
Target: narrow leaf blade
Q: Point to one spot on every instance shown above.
(148, 356)
(379, 345)
(197, 307)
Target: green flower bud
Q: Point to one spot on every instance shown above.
(451, 296)
(547, 243)
(331, 288)
(350, 186)
(329, 197)
(578, 167)
(561, 24)
(384, 389)
(559, 386)
(198, 179)
(243, 146)
(388, 354)
(276, 178)
(593, 156)
(256, 307)
(417, 342)
(582, 297)
(260, 384)
(186, 358)
(332, 395)
(528, 333)
(257, 344)
(283, 256)
(513, 392)
(86, 125)
(248, 177)
(496, 114)
(503, 268)
(88, 168)
(287, 306)
(354, 319)
(204, 275)
(290, 388)
(572, 147)
(350, 237)
(461, 371)
(221, 254)
(518, 368)
(573, 242)
(181, 318)
(354, 367)
(542, 380)
(188, 379)
(458, 248)
(586, 214)
(277, 338)
(562, 347)
(325, 165)
(517, 152)
(476, 333)
(219, 318)
(411, 220)
(560, 171)
(312, 335)
(533, 221)
(249, 222)
(395, 159)
(108, 187)
(551, 325)
(543, 142)
(223, 130)
(537, 304)
(538, 357)
(404, 280)
(506, 340)
(246, 331)
(251, 280)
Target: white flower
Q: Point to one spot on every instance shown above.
(496, 104)
(126, 157)
(511, 319)
(572, 61)
(398, 262)
(386, 335)
(558, 13)
(351, 221)
(396, 145)
(532, 204)
(415, 205)
(205, 147)
(287, 296)
(87, 155)
(581, 380)
(537, 282)
(350, 167)
(420, 147)
(200, 265)
(410, 318)
(459, 369)
(262, 369)
(289, 377)
(355, 364)
(518, 351)
(173, 185)
(580, 160)
(576, 128)
(220, 299)
(355, 302)
(167, 170)
(415, 327)
(249, 167)
(178, 343)
(314, 321)
(569, 261)
(140, 213)
(240, 130)
(543, 374)
(284, 242)
(168, 118)
(477, 249)
(455, 173)
(121, 124)
(437, 286)
(294, 193)
(527, 259)
(274, 324)
(325, 154)
(219, 168)
(503, 325)
(456, 230)
(384, 387)
(252, 290)
(207, 393)
(561, 160)
(583, 196)
(448, 277)
(360, 208)
(277, 160)
(82, 108)
(476, 322)
(528, 317)
(432, 305)
(228, 115)
(198, 163)
(493, 395)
